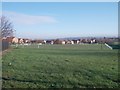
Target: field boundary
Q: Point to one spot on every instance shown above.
(108, 46)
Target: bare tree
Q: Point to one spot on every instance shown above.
(6, 27)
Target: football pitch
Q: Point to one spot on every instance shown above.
(60, 66)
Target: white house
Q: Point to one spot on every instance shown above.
(15, 40)
(63, 42)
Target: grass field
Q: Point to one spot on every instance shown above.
(60, 66)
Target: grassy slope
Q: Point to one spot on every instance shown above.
(61, 66)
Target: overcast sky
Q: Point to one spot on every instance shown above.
(65, 19)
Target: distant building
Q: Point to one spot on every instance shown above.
(15, 40)
(9, 39)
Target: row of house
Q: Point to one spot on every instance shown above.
(13, 40)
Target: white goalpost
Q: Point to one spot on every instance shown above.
(108, 46)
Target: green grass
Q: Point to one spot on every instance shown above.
(61, 66)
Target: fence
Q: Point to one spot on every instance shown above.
(5, 45)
